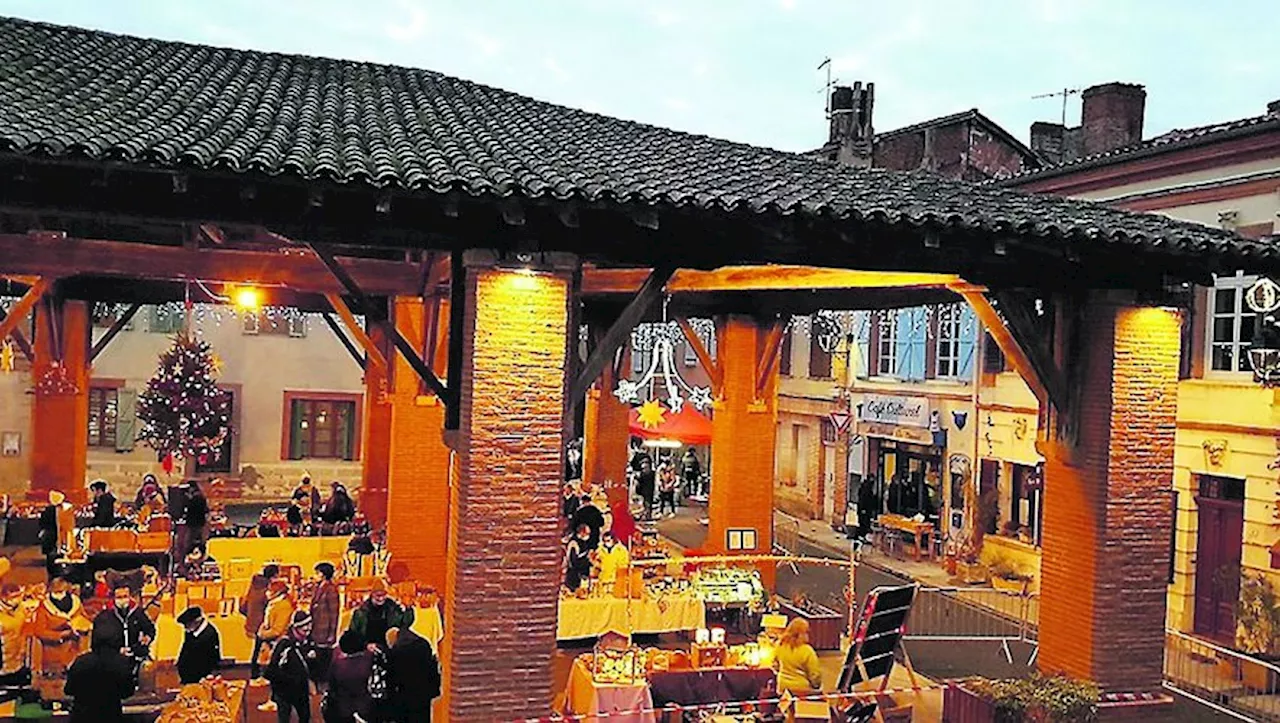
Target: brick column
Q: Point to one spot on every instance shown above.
(743, 428)
(605, 447)
(418, 461)
(60, 421)
(504, 545)
(376, 465)
(1107, 508)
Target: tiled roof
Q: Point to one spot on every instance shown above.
(1175, 139)
(973, 115)
(67, 92)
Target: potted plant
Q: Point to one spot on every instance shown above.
(1006, 578)
(1054, 699)
(1257, 628)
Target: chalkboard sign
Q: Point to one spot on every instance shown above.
(876, 634)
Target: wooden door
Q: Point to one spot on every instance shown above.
(1219, 539)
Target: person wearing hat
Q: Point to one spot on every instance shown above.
(58, 624)
(290, 672)
(324, 620)
(201, 647)
(377, 615)
(279, 611)
(253, 606)
(99, 681)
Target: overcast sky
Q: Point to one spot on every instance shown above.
(747, 69)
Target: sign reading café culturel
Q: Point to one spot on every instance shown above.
(886, 409)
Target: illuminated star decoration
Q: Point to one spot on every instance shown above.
(215, 363)
(662, 372)
(700, 398)
(6, 356)
(651, 414)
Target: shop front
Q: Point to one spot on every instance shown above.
(905, 453)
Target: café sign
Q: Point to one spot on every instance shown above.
(889, 409)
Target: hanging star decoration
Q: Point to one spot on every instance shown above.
(662, 372)
(215, 363)
(7, 357)
(651, 414)
(700, 397)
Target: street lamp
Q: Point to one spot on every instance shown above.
(1264, 353)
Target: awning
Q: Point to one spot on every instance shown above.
(687, 426)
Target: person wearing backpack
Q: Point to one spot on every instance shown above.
(289, 671)
(413, 676)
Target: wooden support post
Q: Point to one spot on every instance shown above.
(346, 341)
(373, 354)
(618, 333)
(23, 307)
(704, 357)
(116, 328)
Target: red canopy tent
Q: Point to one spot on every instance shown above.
(687, 426)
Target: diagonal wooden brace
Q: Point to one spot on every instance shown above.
(20, 340)
(115, 329)
(372, 353)
(346, 341)
(618, 333)
(23, 307)
(769, 354)
(704, 357)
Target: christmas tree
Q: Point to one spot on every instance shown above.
(183, 411)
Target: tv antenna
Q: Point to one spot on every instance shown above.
(826, 89)
(1065, 93)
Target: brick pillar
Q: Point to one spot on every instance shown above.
(1107, 507)
(743, 428)
(418, 462)
(60, 421)
(376, 467)
(605, 447)
(504, 548)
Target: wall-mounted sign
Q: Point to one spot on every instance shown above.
(909, 435)
(740, 539)
(903, 411)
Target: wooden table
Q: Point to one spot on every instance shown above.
(922, 531)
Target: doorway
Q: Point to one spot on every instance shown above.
(828, 481)
(1219, 540)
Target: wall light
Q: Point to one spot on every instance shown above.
(1264, 355)
(247, 298)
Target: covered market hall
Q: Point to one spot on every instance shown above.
(500, 250)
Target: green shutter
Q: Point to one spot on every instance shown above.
(126, 419)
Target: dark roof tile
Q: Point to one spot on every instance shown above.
(72, 91)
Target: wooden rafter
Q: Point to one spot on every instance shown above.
(1017, 339)
(116, 327)
(618, 333)
(601, 281)
(402, 345)
(373, 354)
(23, 307)
(20, 340)
(704, 357)
(345, 340)
(768, 358)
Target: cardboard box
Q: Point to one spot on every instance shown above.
(238, 568)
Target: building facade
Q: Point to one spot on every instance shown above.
(297, 402)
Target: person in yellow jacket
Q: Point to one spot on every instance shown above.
(275, 623)
(797, 662)
(14, 672)
(614, 560)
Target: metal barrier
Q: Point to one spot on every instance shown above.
(971, 614)
(1223, 679)
(786, 535)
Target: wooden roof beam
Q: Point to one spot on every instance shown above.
(602, 281)
(297, 268)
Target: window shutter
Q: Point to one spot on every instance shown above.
(993, 358)
(126, 419)
(1192, 361)
(968, 320)
(873, 343)
(784, 355)
(932, 339)
(819, 359)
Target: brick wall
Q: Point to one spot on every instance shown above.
(504, 553)
(1107, 518)
(743, 433)
(59, 444)
(605, 447)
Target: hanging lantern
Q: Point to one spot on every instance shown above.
(1264, 354)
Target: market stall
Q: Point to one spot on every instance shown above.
(242, 557)
(594, 616)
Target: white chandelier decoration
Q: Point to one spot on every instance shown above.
(659, 340)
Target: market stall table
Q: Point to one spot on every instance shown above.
(588, 700)
(708, 686)
(255, 552)
(921, 531)
(592, 617)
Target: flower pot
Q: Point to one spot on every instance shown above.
(961, 705)
(1004, 584)
(972, 573)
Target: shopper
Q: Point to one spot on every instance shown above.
(614, 559)
(691, 471)
(667, 487)
(289, 672)
(99, 681)
(377, 615)
(104, 504)
(646, 483)
(340, 508)
(413, 676)
(14, 672)
(591, 516)
(126, 625)
(577, 559)
(253, 606)
(798, 669)
(324, 620)
(201, 652)
(347, 694)
(276, 624)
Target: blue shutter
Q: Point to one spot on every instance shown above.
(969, 332)
(912, 334)
(862, 336)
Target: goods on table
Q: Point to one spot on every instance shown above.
(206, 702)
(709, 655)
(617, 666)
(728, 586)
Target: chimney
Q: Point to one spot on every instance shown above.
(851, 132)
(1112, 116)
(1047, 139)
(1273, 108)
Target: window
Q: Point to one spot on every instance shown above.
(103, 412)
(1231, 324)
(277, 324)
(828, 432)
(992, 357)
(322, 427)
(1221, 488)
(819, 358)
(885, 332)
(784, 354)
(1026, 509)
(166, 319)
(949, 356)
